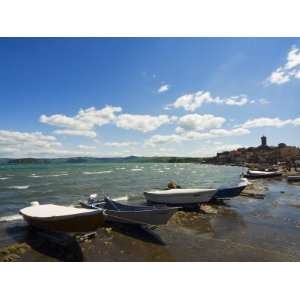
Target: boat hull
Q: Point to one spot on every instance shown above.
(293, 178)
(133, 214)
(180, 198)
(151, 217)
(261, 174)
(229, 192)
(77, 223)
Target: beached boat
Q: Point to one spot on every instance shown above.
(293, 178)
(223, 193)
(114, 211)
(262, 174)
(62, 218)
(180, 196)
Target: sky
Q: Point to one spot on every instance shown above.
(105, 97)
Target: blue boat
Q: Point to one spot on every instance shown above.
(231, 192)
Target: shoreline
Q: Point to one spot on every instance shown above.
(241, 229)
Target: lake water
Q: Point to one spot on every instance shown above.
(68, 183)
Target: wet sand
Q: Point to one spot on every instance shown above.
(241, 229)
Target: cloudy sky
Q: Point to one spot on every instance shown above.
(157, 96)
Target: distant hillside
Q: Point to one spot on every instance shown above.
(129, 159)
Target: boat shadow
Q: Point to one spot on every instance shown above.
(143, 233)
(59, 246)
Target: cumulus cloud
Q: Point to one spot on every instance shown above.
(270, 122)
(200, 122)
(163, 88)
(87, 133)
(214, 133)
(290, 70)
(86, 147)
(190, 102)
(119, 144)
(163, 139)
(83, 122)
(143, 123)
(195, 136)
(14, 143)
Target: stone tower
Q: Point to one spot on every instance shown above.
(263, 141)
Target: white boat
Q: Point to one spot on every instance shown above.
(114, 211)
(62, 218)
(180, 196)
(262, 174)
(293, 178)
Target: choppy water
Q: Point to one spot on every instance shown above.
(68, 183)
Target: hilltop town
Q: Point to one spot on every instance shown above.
(281, 154)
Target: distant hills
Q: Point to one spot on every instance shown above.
(133, 159)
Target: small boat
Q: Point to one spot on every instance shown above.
(114, 211)
(59, 218)
(231, 192)
(262, 174)
(180, 196)
(293, 178)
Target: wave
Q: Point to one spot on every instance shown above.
(19, 187)
(93, 173)
(58, 175)
(3, 178)
(123, 198)
(10, 218)
(136, 170)
(49, 175)
(121, 168)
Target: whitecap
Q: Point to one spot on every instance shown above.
(3, 178)
(136, 170)
(19, 187)
(10, 218)
(58, 175)
(120, 168)
(93, 173)
(123, 198)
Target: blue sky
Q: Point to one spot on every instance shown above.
(146, 96)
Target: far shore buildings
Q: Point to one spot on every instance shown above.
(263, 154)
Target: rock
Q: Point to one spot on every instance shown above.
(108, 230)
(208, 209)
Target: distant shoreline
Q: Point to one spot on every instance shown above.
(133, 159)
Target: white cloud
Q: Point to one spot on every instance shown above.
(36, 139)
(190, 102)
(143, 123)
(214, 133)
(86, 147)
(163, 88)
(200, 122)
(120, 144)
(15, 143)
(264, 122)
(87, 133)
(191, 135)
(83, 122)
(163, 139)
(290, 70)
